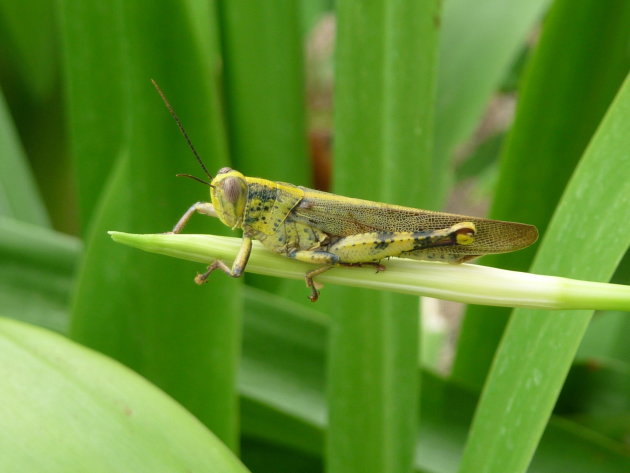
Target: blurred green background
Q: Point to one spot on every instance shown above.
(519, 111)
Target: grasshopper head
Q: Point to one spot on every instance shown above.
(228, 192)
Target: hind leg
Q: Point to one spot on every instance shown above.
(374, 246)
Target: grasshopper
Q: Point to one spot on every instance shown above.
(329, 230)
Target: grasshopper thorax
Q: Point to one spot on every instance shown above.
(228, 192)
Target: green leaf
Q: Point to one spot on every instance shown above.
(478, 43)
(28, 37)
(557, 115)
(36, 274)
(606, 337)
(19, 197)
(68, 409)
(266, 457)
(596, 395)
(463, 282)
(538, 347)
(264, 69)
(144, 311)
(97, 96)
(282, 373)
(283, 398)
(384, 89)
(29, 65)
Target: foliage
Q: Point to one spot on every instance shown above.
(87, 147)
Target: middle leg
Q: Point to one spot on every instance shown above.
(326, 259)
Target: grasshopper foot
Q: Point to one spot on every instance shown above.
(308, 278)
(313, 286)
(378, 266)
(218, 264)
(314, 294)
(202, 278)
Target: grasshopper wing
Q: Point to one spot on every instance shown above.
(342, 216)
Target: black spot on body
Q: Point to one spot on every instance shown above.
(383, 240)
(381, 245)
(418, 243)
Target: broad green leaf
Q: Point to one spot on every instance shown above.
(538, 347)
(146, 311)
(68, 409)
(384, 90)
(558, 112)
(97, 96)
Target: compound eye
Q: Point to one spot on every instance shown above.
(232, 189)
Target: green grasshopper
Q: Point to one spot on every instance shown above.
(329, 230)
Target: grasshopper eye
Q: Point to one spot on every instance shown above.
(229, 196)
(232, 189)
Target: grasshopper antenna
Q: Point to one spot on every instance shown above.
(194, 178)
(183, 131)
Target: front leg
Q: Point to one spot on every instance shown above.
(237, 267)
(205, 208)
